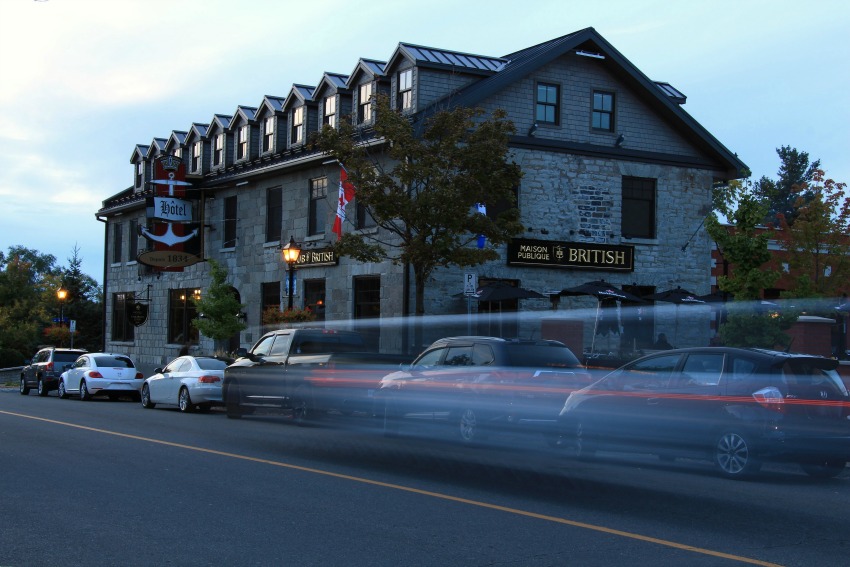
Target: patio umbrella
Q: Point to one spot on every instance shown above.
(500, 291)
(678, 297)
(601, 290)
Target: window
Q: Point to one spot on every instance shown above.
(314, 297)
(197, 154)
(638, 217)
(363, 218)
(218, 151)
(181, 311)
(178, 152)
(367, 305)
(268, 134)
(117, 243)
(274, 214)
(133, 240)
(229, 222)
(122, 328)
(364, 111)
(297, 125)
(140, 174)
(405, 89)
(330, 111)
(603, 111)
(242, 143)
(318, 194)
(548, 103)
(270, 294)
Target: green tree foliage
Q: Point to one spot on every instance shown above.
(782, 195)
(84, 304)
(422, 184)
(219, 307)
(817, 242)
(744, 246)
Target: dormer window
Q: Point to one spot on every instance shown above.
(330, 111)
(268, 134)
(405, 89)
(242, 143)
(140, 173)
(178, 152)
(197, 151)
(297, 125)
(364, 110)
(218, 150)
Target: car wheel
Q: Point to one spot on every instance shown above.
(24, 388)
(146, 398)
(584, 447)
(184, 401)
(734, 457)
(84, 392)
(826, 468)
(232, 407)
(470, 426)
(303, 407)
(63, 395)
(41, 388)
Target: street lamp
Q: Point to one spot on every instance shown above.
(291, 252)
(61, 294)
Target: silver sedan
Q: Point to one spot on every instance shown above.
(188, 382)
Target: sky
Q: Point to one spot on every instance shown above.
(85, 81)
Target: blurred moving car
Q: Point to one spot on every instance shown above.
(736, 406)
(187, 382)
(99, 373)
(45, 367)
(481, 384)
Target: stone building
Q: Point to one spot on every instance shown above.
(617, 181)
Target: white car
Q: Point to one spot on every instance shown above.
(187, 382)
(99, 373)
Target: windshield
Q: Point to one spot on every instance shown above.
(108, 361)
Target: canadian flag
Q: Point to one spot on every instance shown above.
(346, 194)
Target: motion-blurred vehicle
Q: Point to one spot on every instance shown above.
(45, 367)
(188, 382)
(738, 407)
(481, 384)
(101, 373)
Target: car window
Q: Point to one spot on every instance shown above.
(802, 375)
(541, 355)
(281, 345)
(263, 347)
(211, 364)
(110, 361)
(482, 355)
(82, 361)
(171, 366)
(430, 358)
(65, 357)
(184, 366)
(459, 356)
(650, 374)
(742, 369)
(700, 370)
(42, 356)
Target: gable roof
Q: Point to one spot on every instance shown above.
(368, 66)
(589, 42)
(271, 103)
(335, 82)
(435, 58)
(243, 113)
(219, 122)
(139, 152)
(302, 93)
(157, 146)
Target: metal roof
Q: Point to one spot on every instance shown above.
(444, 57)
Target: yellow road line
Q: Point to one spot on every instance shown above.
(515, 511)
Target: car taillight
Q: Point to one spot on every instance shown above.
(94, 374)
(49, 367)
(139, 376)
(208, 379)
(770, 398)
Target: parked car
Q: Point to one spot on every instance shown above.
(480, 384)
(187, 382)
(97, 373)
(735, 406)
(45, 367)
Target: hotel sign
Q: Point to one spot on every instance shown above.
(317, 257)
(571, 255)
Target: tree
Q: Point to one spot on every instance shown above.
(422, 185)
(219, 309)
(744, 246)
(83, 303)
(781, 195)
(817, 242)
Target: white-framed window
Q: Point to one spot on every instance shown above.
(140, 173)
(197, 154)
(330, 111)
(364, 101)
(242, 143)
(405, 89)
(178, 152)
(268, 134)
(297, 125)
(218, 150)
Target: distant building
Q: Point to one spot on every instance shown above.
(613, 168)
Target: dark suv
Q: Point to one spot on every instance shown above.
(481, 384)
(45, 367)
(735, 406)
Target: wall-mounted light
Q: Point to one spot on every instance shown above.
(532, 130)
(620, 139)
(590, 54)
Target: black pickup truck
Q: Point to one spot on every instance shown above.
(306, 372)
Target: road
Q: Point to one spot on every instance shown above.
(110, 483)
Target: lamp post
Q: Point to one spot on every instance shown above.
(291, 252)
(61, 294)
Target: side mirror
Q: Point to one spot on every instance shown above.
(241, 352)
(157, 370)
